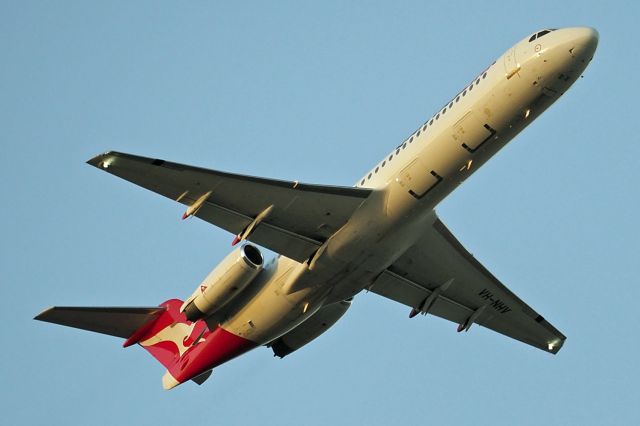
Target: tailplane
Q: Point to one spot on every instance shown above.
(119, 322)
(163, 331)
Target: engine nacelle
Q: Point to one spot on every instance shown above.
(224, 283)
(313, 327)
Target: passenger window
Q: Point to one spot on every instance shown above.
(369, 177)
(362, 182)
(478, 81)
(438, 116)
(377, 168)
(397, 151)
(484, 75)
(431, 122)
(464, 93)
(390, 157)
(444, 110)
(451, 104)
(418, 133)
(458, 98)
(384, 162)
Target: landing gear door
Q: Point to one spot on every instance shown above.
(470, 133)
(417, 180)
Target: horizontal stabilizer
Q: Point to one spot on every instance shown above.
(119, 322)
(202, 377)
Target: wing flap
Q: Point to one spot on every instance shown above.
(280, 240)
(303, 215)
(116, 321)
(409, 293)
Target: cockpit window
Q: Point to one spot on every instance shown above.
(543, 32)
(540, 34)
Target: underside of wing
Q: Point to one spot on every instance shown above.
(290, 218)
(439, 276)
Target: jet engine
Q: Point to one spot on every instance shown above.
(224, 283)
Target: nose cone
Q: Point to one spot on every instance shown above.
(587, 36)
(584, 40)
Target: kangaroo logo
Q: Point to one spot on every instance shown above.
(177, 333)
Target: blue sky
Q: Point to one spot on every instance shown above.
(319, 92)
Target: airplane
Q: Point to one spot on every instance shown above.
(381, 235)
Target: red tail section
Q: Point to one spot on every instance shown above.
(169, 336)
(187, 349)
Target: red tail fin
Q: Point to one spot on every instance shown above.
(169, 336)
(189, 350)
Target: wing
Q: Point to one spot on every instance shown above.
(290, 218)
(439, 276)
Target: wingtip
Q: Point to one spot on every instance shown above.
(554, 347)
(99, 159)
(42, 315)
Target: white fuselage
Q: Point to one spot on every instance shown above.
(413, 178)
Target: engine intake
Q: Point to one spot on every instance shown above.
(224, 283)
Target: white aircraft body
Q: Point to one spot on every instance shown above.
(382, 235)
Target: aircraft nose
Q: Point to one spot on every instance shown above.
(584, 41)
